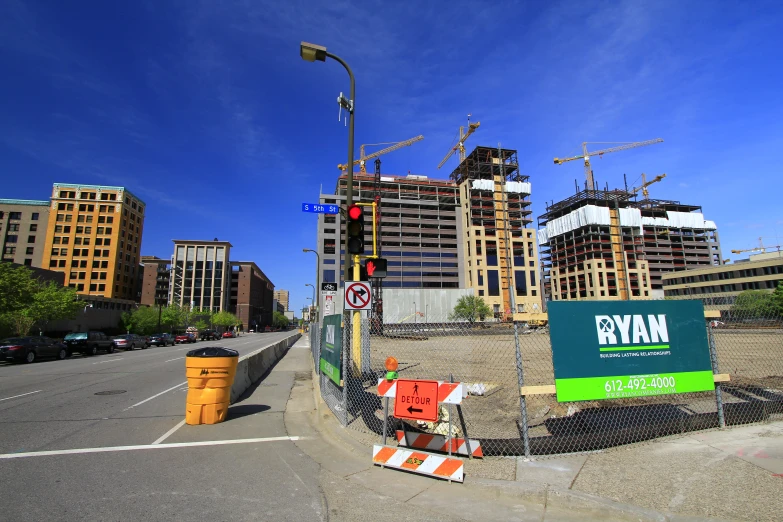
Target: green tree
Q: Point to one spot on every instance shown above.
(26, 301)
(470, 308)
(756, 304)
(279, 320)
(778, 297)
(225, 319)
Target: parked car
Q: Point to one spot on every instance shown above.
(161, 339)
(185, 338)
(88, 343)
(209, 335)
(129, 341)
(228, 335)
(30, 349)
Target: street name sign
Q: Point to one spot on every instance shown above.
(317, 208)
(619, 349)
(358, 295)
(416, 400)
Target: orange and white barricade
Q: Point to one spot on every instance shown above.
(448, 392)
(432, 442)
(438, 466)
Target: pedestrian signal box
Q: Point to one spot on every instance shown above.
(376, 267)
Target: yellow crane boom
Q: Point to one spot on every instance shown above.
(587, 155)
(645, 184)
(761, 248)
(397, 145)
(460, 146)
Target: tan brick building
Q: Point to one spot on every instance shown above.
(23, 230)
(155, 280)
(500, 252)
(281, 296)
(94, 237)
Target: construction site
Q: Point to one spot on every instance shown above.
(608, 244)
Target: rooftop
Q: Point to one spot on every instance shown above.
(200, 242)
(98, 187)
(31, 202)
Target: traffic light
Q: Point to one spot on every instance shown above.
(376, 267)
(355, 230)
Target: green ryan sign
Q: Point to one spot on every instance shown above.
(618, 349)
(332, 348)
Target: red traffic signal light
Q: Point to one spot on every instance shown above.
(355, 229)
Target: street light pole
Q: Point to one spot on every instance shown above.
(311, 286)
(317, 278)
(311, 52)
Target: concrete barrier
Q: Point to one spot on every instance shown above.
(253, 366)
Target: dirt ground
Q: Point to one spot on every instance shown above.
(753, 358)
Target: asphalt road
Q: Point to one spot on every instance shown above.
(77, 408)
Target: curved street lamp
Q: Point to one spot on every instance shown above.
(310, 53)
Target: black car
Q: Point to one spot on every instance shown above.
(29, 349)
(89, 343)
(209, 335)
(161, 339)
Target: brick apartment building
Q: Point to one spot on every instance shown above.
(23, 230)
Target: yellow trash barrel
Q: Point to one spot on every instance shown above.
(210, 372)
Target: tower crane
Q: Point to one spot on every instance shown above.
(587, 155)
(396, 145)
(460, 146)
(645, 184)
(761, 248)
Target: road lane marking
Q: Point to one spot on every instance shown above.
(145, 447)
(110, 360)
(168, 433)
(175, 359)
(22, 395)
(154, 396)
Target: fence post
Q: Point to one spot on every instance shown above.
(522, 400)
(718, 391)
(347, 337)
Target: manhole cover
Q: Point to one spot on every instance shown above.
(111, 392)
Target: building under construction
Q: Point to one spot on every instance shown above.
(604, 244)
(500, 254)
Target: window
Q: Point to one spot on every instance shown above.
(80, 218)
(11, 239)
(101, 219)
(28, 262)
(329, 276)
(34, 227)
(521, 282)
(108, 231)
(96, 264)
(104, 264)
(13, 228)
(53, 263)
(80, 230)
(69, 218)
(58, 229)
(101, 287)
(29, 251)
(493, 282)
(77, 241)
(100, 230)
(98, 241)
(110, 219)
(14, 215)
(66, 240)
(67, 230)
(31, 239)
(86, 241)
(88, 230)
(56, 240)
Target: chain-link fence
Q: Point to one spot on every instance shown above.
(495, 359)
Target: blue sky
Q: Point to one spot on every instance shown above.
(206, 111)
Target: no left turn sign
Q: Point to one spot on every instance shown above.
(358, 295)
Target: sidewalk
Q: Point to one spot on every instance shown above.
(736, 474)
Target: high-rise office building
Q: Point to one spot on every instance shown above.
(201, 275)
(94, 237)
(23, 230)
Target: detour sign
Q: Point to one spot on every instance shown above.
(416, 400)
